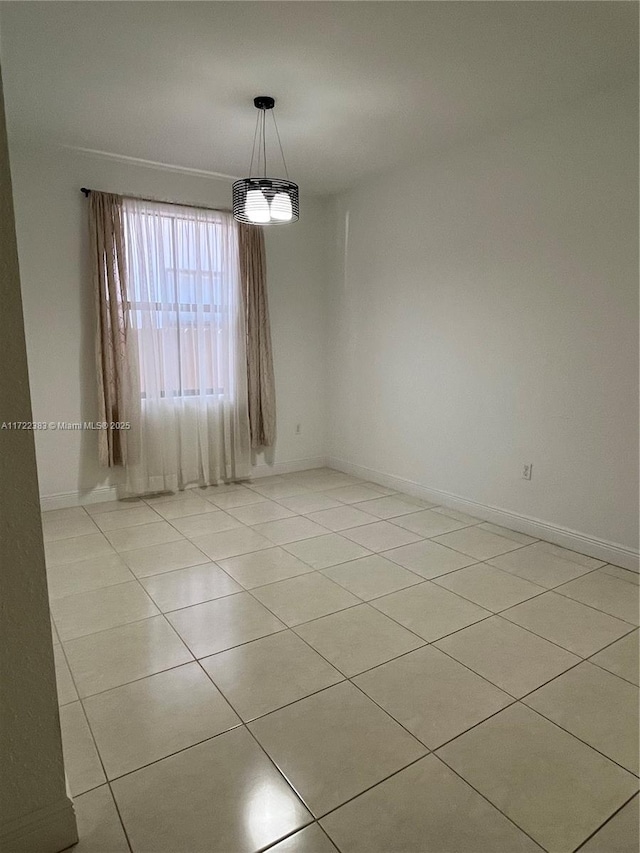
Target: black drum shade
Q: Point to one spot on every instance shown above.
(265, 201)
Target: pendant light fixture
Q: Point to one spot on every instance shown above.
(263, 200)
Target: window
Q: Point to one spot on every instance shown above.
(184, 293)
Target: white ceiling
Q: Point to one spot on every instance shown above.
(360, 86)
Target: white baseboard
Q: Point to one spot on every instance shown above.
(600, 549)
(265, 470)
(48, 830)
(610, 552)
(109, 493)
(68, 499)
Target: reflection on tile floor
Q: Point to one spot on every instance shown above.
(338, 667)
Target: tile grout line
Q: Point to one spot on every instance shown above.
(504, 690)
(291, 834)
(375, 597)
(349, 678)
(345, 677)
(362, 601)
(99, 754)
(293, 627)
(503, 613)
(269, 758)
(602, 825)
(486, 799)
(636, 776)
(604, 669)
(497, 569)
(120, 818)
(415, 761)
(242, 723)
(381, 552)
(558, 588)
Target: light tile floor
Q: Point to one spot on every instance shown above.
(312, 663)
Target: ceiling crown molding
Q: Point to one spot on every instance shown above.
(150, 164)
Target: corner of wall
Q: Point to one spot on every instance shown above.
(47, 830)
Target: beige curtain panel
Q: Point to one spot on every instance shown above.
(261, 385)
(108, 267)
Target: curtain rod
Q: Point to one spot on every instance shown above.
(86, 192)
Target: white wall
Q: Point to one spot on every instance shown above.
(485, 314)
(35, 812)
(51, 216)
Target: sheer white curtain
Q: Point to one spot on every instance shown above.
(188, 341)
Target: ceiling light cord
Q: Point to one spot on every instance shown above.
(284, 162)
(253, 150)
(264, 140)
(260, 136)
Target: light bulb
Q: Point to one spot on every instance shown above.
(281, 207)
(256, 207)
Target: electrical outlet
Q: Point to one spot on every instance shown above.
(298, 429)
(527, 469)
